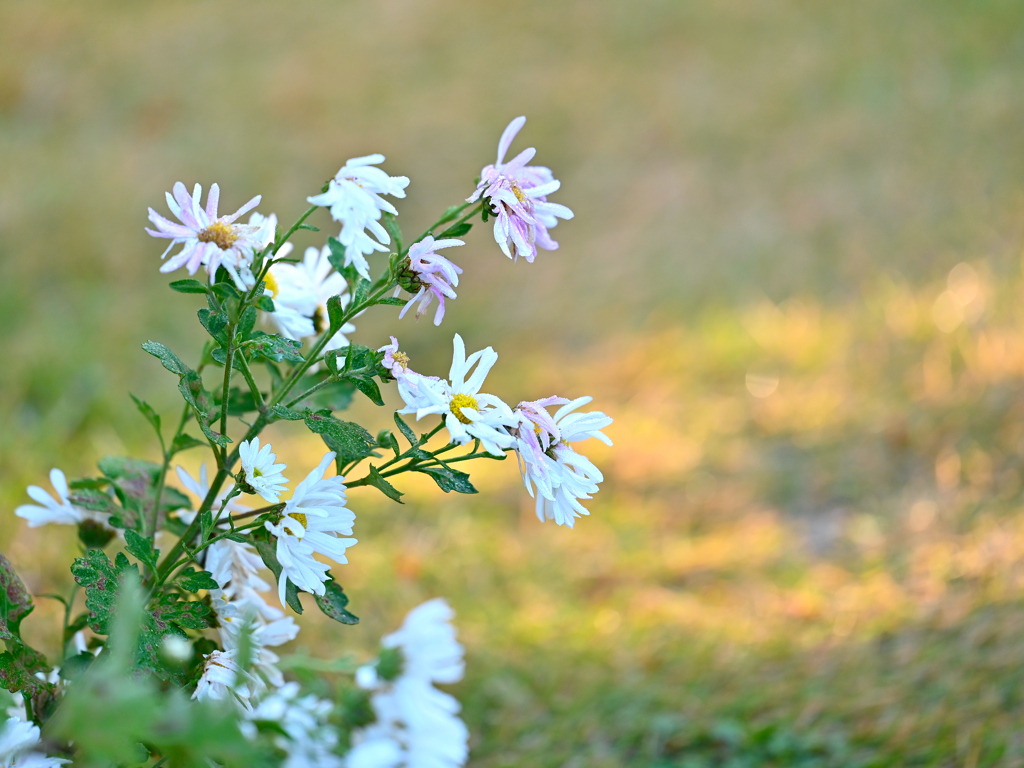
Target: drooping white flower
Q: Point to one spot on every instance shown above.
(223, 679)
(314, 521)
(416, 724)
(235, 566)
(354, 197)
(261, 472)
(310, 739)
(468, 414)
(207, 239)
(300, 293)
(429, 276)
(562, 475)
(60, 510)
(18, 739)
(263, 636)
(517, 194)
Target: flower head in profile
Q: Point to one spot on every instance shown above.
(315, 520)
(468, 413)
(208, 240)
(300, 293)
(416, 724)
(60, 510)
(517, 196)
(562, 475)
(355, 198)
(261, 472)
(429, 276)
(223, 678)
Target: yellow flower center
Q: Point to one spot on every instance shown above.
(321, 320)
(518, 192)
(401, 359)
(220, 234)
(256, 472)
(299, 518)
(272, 287)
(461, 401)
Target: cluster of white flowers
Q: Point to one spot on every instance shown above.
(354, 197)
(561, 474)
(416, 724)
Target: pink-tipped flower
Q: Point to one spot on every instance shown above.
(517, 196)
(429, 276)
(208, 240)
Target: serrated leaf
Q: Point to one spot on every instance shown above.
(141, 548)
(348, 440)
(333, 603)
(167, 358)
(18, 668)
(188, 286)
(215, 324)
(147, 410)
(184, 441)
(383, 485)
(224, 291)
(393, 301)
(15, 603)
(457, 230)
(448, 479)
(193, 581)
(266, 549)
(406, 430)
(271, 346)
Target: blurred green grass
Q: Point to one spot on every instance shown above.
(770, 195)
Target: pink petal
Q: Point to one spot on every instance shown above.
(506, 137)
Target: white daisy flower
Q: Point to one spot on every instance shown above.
(300, 294)
(428, 645)
(261, 473)
(562, 475)
(355, 199)
(17, 740)
(314, 519)
(468, 413)
(263, 636)
(207, 239)
(60, 510)
(235, 566)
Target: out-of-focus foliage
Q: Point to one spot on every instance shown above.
(808, 548)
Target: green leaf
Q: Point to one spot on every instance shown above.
(448, 479)
(333, 603)
(246, 322)
(193, 581)
(18, 667)
(391, 225)
(141, 548)
(265, 303)
(206, 524)
(406, 430)
(15, 603)
(220, 355)
(133, 482)
(271, 346)
(169, 360)
(88, 498)
(452, 212)
(369, 388)
(335, 313)
(225, 291)
(456, 231)
(266, 549)
(215, 324)
(310, 227)
(331, 361)
(147, 410)
(393, 301)
(183, 442)
(360, 292)
(337, 255)
(384, 486)
(279, 412)
(188, 286)
(348, 440)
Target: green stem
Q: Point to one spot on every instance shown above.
(257, 395)
(448, 216)
(228, 361)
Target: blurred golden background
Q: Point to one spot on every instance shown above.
(793, 279)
